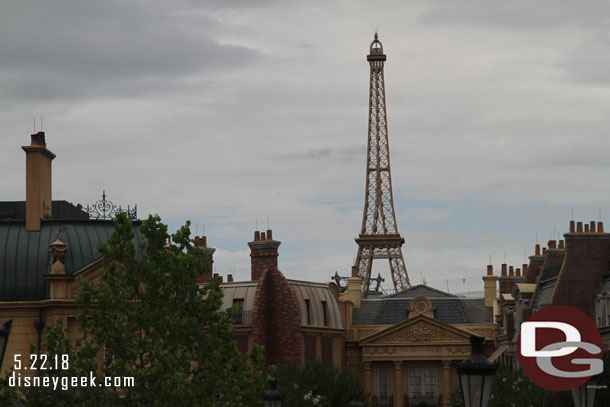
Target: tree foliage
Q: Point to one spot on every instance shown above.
(148, 319)
(315, 385)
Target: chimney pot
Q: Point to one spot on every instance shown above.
(592, 227)
(544, 251)
(204, 241)
(229, 278)
(263, 236)
(490, 270)
(38, 139)
(579, 227)
(537, 252)
(269, 235)
(572, 227)
(354, 271)
(503, 269)
(600, 227)
(518, 272)
(561, 244)
(524, 268)
(511, 271)
(257, 236)
(552, 244)
(586, 228)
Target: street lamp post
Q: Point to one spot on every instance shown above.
(5, 330)
(272, 397)
(584, 395)
(476, 375)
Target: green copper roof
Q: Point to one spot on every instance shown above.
(25, 257)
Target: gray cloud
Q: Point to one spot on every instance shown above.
(84, 49)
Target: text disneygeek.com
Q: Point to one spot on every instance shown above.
(45, 362)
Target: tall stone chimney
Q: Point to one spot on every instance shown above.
(37, 182)
(490, 286)
(263, 253)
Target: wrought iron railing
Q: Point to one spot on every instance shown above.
(104, 209)
(243, 318)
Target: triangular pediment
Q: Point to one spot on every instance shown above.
(419, 330)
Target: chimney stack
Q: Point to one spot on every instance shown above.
(503, 272)
(201, 248)
(263, 253)
(537, 251)
(38, 198)
(229, 278)
(489, 282)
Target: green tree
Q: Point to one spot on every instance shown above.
(147, 319)
(315, 385)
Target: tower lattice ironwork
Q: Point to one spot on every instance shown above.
(379, 237)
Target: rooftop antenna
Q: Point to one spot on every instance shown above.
(536, 237)
(572, 214)
(268, 224)
(553, 233)
(600, 214)
(34, 125)
(490, 258)
(256, 224)
(504, 257)
(41, 123)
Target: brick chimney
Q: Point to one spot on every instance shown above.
(587, 260)
(263, 253)
(201, 248)
(37, 182)
(507, 281)
(531, 272)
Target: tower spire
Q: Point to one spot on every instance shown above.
(379, 237)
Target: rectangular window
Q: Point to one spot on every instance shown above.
(310, 348)
(324, 313)
(327, 351)
(308, 311)
(382, 383)
(430, 382)
(414, 383)
(422, 384)
(239, 313)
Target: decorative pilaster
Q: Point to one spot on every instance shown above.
(367, 377)
(398, 392)
(446, 380)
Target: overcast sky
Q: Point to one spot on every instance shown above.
(232, 112)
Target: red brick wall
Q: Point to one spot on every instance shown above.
(587, 260)
(277, 319)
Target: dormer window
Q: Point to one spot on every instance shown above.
(324, 313)
(308, 311)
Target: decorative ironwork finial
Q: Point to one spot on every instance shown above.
(104, 209)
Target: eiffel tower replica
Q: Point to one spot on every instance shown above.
(379, 237)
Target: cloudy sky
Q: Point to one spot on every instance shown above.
(238, 113)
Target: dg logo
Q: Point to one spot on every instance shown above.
(560, 348)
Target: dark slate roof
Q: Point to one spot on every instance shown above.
(15, 211)
(391, 311)
(25, 257)
(544, 293)
(421, 290)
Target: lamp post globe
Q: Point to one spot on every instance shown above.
(272, 397)
(5, 330)
(476, 375)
